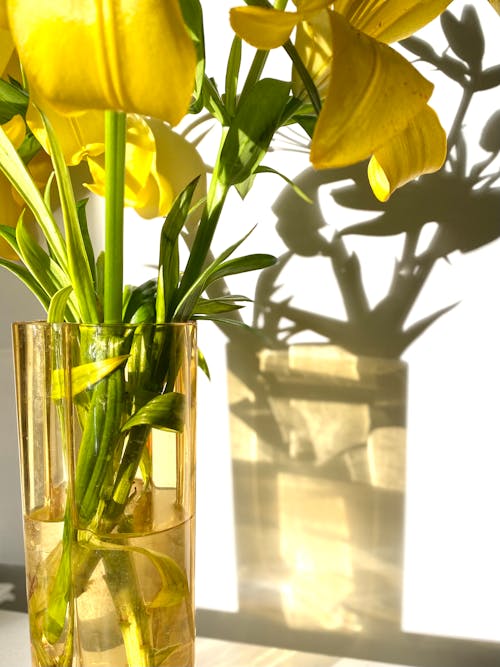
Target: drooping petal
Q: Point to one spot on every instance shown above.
(313, 42)
(139, 162)
(374, 93)
(390, 20)
(135, 56)
(159, 165)
(261, 27)
(79, 136)
(420, 149)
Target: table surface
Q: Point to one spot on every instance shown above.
(14, 651)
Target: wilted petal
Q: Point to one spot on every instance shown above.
(133, 56)
(374, 93)
(79, 136)
(390, 20)
(420, 149)
(313, 42)
(261, 27)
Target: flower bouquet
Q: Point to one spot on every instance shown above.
(106, 387)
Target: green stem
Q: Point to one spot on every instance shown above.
(306, 78)
(115, 140)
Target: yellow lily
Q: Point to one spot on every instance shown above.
(373, 95)
(159, 163)
(84, 56)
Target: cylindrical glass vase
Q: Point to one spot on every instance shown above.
(106, 417)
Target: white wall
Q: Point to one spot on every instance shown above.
(452, 585)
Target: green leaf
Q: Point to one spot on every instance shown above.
(202, 363)
(192, 12)
(168, 276)
(232, 74)
(13, 100)
(269, 170)
(222, 304)
(84, 376)
(174, 584)
(186, 305)
(25, 276)
(166, 412)
(243, 264)
(257, 118)
(43, 268)
(58, 304)
(17, 174)
(78, 262)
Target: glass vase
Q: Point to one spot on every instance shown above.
(106, 418)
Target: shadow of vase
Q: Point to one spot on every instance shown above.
(318, 448)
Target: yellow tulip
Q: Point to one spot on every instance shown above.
(375, 98)
(135, 56)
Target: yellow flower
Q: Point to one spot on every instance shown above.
(373, 94)
(78, 56)
(159, 163)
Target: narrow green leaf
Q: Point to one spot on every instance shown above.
(78, 263)
(168, 276)
(25, 276)
(257, 118)
(269, 170)
(232, 75)
(192, 12)
(13, 100)
(58, 304)
(186, 305)
(43, 268)
(17, 174)
(166, 411)
(81, 209)
(253, 262)
(85, 375)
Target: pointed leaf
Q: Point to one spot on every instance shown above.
(84, 376)
(166, 411)
(58, 304)
(257, 118)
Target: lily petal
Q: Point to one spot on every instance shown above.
(6, 48)
(15, 129)
(84, 55)
(313, 42)
(79, 136)
(261, 27)
(159, 165)
(390, 20)
(9, 215)
(4, 21)
(420, 149)
(374, 93)
(496, 5)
